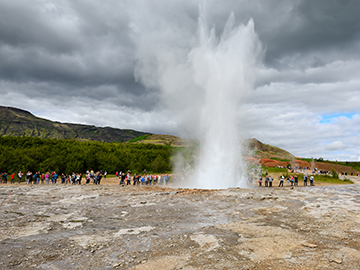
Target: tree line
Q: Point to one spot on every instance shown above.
(67, 156)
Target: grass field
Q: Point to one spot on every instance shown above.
(331, 180)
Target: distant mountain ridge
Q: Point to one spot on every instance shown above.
(18, 122)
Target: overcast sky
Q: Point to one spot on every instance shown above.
(77, 61)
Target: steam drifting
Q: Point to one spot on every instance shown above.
(204, 80)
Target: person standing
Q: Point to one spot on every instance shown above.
(63, 178)
(123, 176)
(38, 177)
(311, 180)
(305, 180)
(266, 181)
(35, 178)
(281, 184)
(52, 177)
(55, 177)
(92, 177)
(77, 180)
(99, 176)
(87, 178)
(135, 179)
(28, 177)
(260, 181)
(20, 174)
(47, 178)
(143, 180)
(296, 180)
(12, 178)
(5, 175)
(292, 180)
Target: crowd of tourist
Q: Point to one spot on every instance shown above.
(52, 177)
(290, 180)
(90, 177)
(138, 179)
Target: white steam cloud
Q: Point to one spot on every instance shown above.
(204, 80)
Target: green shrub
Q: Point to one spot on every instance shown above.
(334, 173)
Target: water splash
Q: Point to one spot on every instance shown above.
(224, 68)
(209, 82)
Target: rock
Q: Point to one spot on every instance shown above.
(143, 202)
(162, 194)
(318, 205)
(309, 245)
(116, 265)
(338, 261)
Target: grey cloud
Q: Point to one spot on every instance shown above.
(78, 57)
(73, 48)
(316, 26)
(336, 146)
(25, 24)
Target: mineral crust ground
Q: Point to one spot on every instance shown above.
(152, 227)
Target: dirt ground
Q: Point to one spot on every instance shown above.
(151, 227)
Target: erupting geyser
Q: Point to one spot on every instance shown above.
(207, 83)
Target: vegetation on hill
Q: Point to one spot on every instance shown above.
(161, 139)
(353, 164)
(36, 154)
(17, 122)
(261, 150)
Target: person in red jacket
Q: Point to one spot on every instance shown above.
(12, 178)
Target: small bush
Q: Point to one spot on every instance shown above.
(334, 173)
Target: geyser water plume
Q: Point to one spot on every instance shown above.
(206, 82)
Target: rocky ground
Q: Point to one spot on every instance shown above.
(147, 227)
